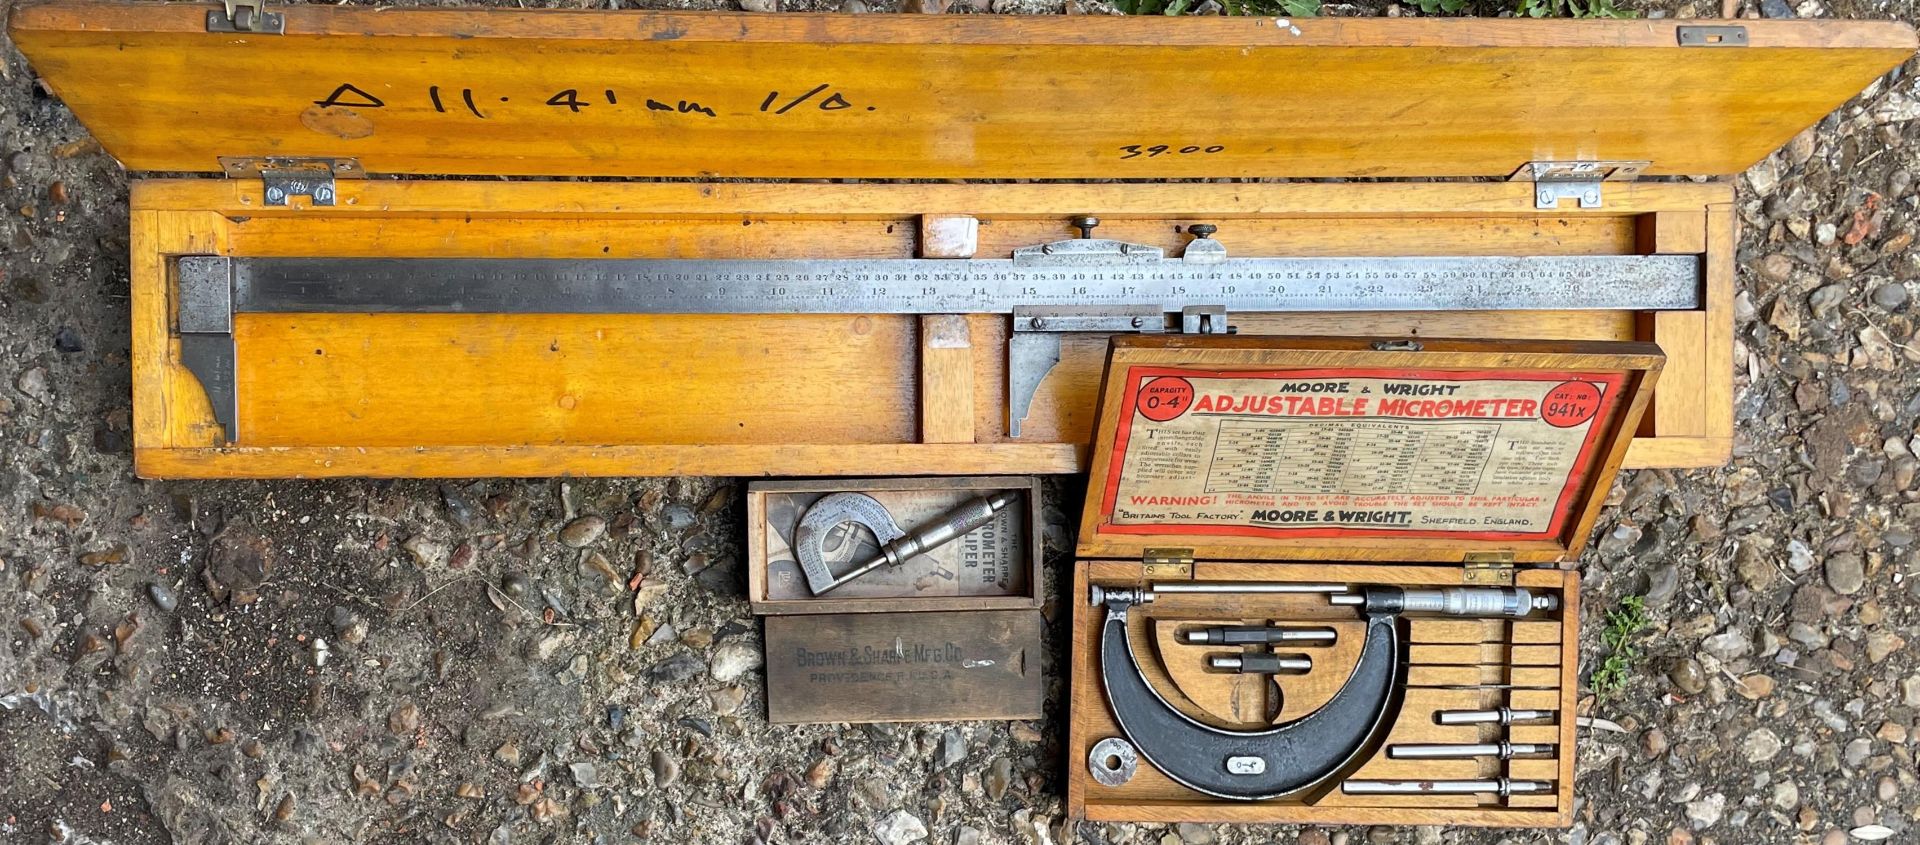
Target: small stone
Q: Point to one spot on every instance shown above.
(999, 777)
(968, 836)
(1857, 752)
(1687, 675)
(113, 555)
(351, 627)
(676, 668)
(1799, 556)
(1195, 834)
(427, 551)
(1761, 745)
(1883, 644)
(900, 828)
(584, 775)
(508, 754)
(1892, 733)
(760, 5)
(1891, 296)
(1662, 583)
(820, 773)
(1846, 573)
(583, 532)
(1755, 687)
(733, 659)
(1887, 790)
(164, 598)
(1910, 691)
(1786, 795)
(1727, 645)
(666, 770)
(727, 699)
(405, 719)
(1313, 836)
(1654, 742)
(33, 382)
(1706, 812)
(1827, 298)
(953, 749)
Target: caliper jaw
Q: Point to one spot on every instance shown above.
(205, 285)
(1033, 348)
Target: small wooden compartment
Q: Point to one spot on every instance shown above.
(953, 633)
(368, 100)
(1313, 460)
(994, 568)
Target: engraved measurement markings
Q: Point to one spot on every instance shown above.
(797, 290)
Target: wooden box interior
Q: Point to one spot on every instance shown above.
(757, 547)
(1444, 652)
(1540, 651)
(480, 395)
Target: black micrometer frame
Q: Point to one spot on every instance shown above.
(1295, 757)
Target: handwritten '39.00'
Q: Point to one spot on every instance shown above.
(820, 97)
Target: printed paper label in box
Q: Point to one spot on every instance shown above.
(1485, 455)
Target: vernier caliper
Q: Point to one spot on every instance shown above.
(1085, 284)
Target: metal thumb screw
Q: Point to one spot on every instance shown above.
(1086, 224)
(1202, 230)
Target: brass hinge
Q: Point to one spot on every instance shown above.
(284, 177)
(1167, 562)
(246, 16)
(1719, 35)
(1489, 569)
(1554, 181)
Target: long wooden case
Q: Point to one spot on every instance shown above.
(348, 97)
(1259, 453)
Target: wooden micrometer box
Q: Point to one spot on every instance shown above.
(953, 633)
(1239, 465)
(336, 145)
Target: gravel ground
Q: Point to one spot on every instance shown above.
(415, 661)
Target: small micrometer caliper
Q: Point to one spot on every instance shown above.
(896, 545)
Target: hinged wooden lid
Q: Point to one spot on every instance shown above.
(593, 93)
(1264, 448)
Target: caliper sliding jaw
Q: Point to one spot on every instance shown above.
(1033, 348)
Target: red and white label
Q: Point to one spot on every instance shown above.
(1485, 455)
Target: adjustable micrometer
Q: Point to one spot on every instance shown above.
(1299, 755)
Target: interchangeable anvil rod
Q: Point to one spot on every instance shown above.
(1503, 716)
(1500, 786)
(1083, 285)
(1447, 751)
(1260, 663)
(1257, 635)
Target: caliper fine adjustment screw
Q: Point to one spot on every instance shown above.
(1086, 223)
(1202, 230)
